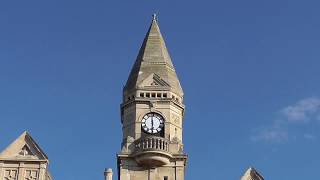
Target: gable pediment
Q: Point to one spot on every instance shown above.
(153, 80)
(23, 148)
(252, 174)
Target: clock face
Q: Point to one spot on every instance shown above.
(152, 123)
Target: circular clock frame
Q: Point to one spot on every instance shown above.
(152, 123)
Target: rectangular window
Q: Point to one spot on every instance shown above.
(141, 94)
(165, 178)
(147, 94)
(153, 95)
(164, 95)
(159, 95)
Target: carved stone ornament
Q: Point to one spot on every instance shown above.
(10, 174)
(31, 175)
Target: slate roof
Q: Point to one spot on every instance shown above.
(153, 58)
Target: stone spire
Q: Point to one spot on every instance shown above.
(251, 174)
(153, 58)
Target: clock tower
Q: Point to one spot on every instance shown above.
(152, 113)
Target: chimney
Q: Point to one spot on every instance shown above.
(108, 174)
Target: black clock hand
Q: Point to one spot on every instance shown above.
(152, 123)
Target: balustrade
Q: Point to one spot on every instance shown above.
(152, 143)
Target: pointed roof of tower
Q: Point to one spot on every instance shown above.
(252, 174)
(153, 58)
(23, 148)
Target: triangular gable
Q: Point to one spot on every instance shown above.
(153, 80)
(23, 148)
(252, 174)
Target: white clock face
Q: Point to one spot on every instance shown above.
(152, 123)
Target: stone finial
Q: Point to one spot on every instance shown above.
(108, 174)
(154, 17)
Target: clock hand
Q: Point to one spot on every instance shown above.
(152, 123)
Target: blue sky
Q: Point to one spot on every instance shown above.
(249, 69)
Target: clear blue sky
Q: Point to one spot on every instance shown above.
(250, 71)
